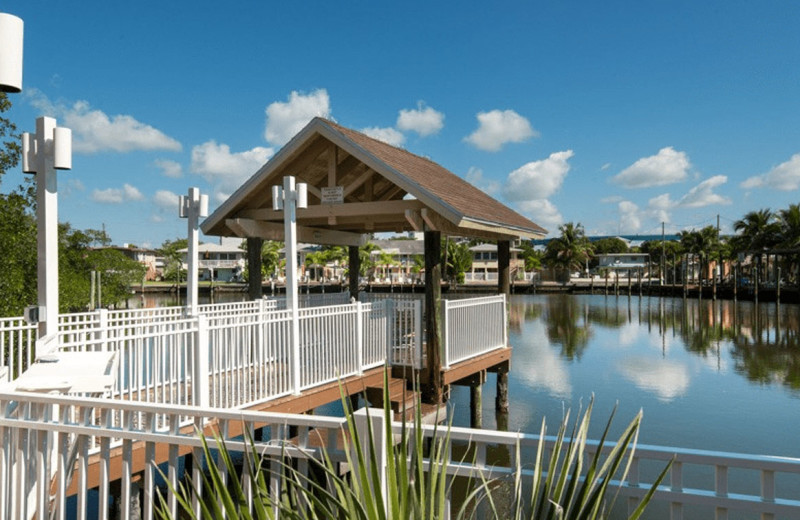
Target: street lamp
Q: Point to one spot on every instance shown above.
(192, 207)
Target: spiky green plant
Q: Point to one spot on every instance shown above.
(567, 484)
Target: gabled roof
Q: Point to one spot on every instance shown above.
(385, 189)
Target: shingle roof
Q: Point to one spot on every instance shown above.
(452, 189)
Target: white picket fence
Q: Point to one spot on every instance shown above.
(472, 327)
(43, 437)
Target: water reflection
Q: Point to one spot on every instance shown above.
(760, 342)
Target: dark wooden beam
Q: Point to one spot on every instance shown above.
(254, 267)
(433, 393)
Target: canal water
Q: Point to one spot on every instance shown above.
(721, 376)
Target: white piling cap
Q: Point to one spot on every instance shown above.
(11, 29)
(62, 155)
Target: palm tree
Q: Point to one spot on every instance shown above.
(789, 220)
(703, 243)
(459, 260)
(571, 250)
(758, 231)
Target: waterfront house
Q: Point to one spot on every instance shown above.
(484, 264)
(223, 262)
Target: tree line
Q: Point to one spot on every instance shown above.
(758, 234)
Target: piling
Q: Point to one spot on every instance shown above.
(778, 288)
(476, 405)
(755, 285)
(735, 281)
(501, 401)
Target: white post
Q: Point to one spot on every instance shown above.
(418, 345)
(445, 337)
(290, 198)
(200, 386)
(374, 419)
(360, 337)
(192, 207)
(47, 226)
(389, 310)
(42, 154)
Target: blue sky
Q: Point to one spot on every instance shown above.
(617, 115)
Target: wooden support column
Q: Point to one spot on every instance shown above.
(501, 402)
(504, 267)
(475, 406)
(354, 267)
(254, 267)
(433, 393)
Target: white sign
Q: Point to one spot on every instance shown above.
(334, 195)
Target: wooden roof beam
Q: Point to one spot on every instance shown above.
(350, 209)
(272, 231)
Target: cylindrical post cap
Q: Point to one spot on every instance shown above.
(11, 28)
(62, 144)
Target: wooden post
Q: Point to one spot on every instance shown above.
(254, 267)
(503, 267)
(501, 401)
(606, 284)
(354, 268)
(778, 287)
(433, 295)
(735, 281)
(475, 404)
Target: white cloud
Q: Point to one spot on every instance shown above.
(424, 120)
(475, 177)
(538, 179)
(127, 193)
(387, 135)
(499, 127)
(169, 168)
(226, 170)
(784, 177)
(613, 199)
(285, 119)
(166, 200)
(71, 186)
(659, 208)
(94, 131)
(543, 212)
(666, 379)
(703, 194)
(630, 217)
(668, 166)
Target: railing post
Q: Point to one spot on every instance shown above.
(200, 386)
(445, 336)
(102, 335)
(504, 319)
(418, 333)
(373, 419)
(360, 337)
(389, 307)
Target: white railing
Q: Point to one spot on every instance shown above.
(45, 436)
(17, 340)
(472, 327)
(314, 299)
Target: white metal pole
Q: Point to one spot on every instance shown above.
(290, 236)
(47, 226)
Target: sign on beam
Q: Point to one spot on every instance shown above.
(333, 195)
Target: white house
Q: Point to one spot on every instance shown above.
(219, 262)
